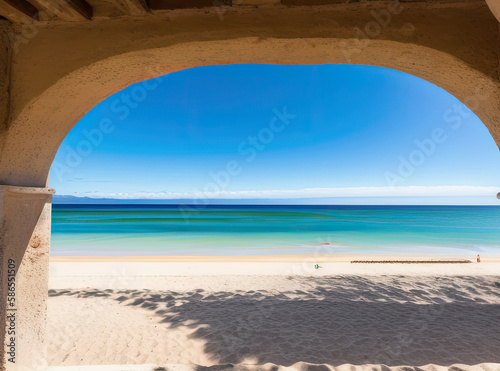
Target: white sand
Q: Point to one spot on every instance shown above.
(256, 315)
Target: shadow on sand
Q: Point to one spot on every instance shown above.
(340, 319)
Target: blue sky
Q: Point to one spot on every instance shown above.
(358, 133)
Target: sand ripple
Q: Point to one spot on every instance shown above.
(328, 322)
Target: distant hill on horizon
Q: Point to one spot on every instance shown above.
(67, 199)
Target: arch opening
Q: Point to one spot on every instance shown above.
(38, 130)
(391, 154)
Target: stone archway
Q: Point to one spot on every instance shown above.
(65, 69)
(454, 46)
(44, 122)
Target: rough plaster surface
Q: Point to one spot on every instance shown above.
(5, 64)
(5, 56)
(454, 46)
(25, 217)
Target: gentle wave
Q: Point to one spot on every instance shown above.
(273, 230)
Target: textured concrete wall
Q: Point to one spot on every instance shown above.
(5, 64)
(25, 216)
(61, 70)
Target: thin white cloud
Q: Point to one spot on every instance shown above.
(410, 191)
(83, 180)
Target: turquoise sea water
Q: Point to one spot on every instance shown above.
(132, 230)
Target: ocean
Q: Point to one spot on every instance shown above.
(239, 230)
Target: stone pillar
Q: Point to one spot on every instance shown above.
(25, 217)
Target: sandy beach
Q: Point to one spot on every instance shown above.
(274, 313)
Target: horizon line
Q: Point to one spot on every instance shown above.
(207, 205)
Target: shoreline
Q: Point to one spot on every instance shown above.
(154, 272)
(320, 258)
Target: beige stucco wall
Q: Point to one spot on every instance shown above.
(61, 70)
(25, 217)
(4, 75)
(5, 65)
